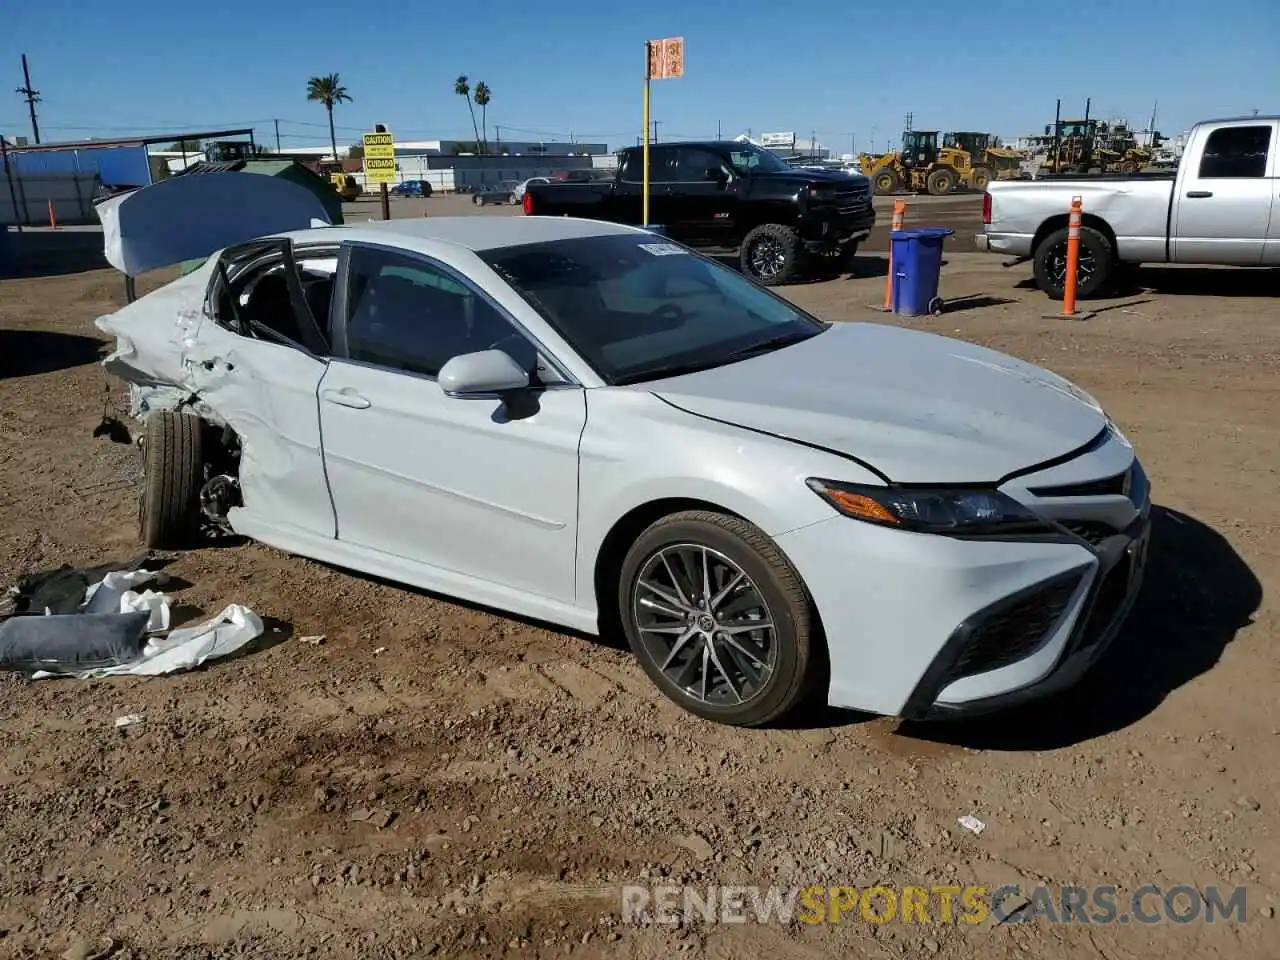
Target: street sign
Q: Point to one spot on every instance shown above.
(380, 169)
(379, 146)
(666, 58)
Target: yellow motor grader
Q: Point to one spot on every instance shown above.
(921, 166)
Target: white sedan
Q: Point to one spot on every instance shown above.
(517, 195)
(583, 423)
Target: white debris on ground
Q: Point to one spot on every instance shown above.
(166, 651)
(185, 648)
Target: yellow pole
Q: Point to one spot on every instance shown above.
(645, 158)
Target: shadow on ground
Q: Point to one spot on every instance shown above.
(27, 352)
(1197, 593)
(1185, 281)
(974, 301)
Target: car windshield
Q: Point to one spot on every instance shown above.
(640, 308)
(749, 158)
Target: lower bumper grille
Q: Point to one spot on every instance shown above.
(1013, 629)
(1107, 602)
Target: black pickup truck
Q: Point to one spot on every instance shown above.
(726, 195)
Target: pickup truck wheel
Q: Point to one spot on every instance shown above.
(172, 473)
(770, 254)
(832, 263)
(1096, 265)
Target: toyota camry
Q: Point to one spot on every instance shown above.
(586, 424)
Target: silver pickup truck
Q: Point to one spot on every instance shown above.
(1220, 206)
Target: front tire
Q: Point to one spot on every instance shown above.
(169, 507)
(941, 182)
(718, 618)
(886, 181)
(1096, 264)
(770, 254)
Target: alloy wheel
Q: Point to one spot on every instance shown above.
(1085, 265)
(705, 624)
(768, 257)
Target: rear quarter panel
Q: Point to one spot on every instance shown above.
(1136, 211)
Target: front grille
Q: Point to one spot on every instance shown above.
(1013, 631)
(852, 201)
(1108, 486)
(1090, 530)
(1108, 598)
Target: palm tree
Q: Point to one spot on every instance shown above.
(463, 89)
(329, 91)
(482, 97)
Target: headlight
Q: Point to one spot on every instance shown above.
(962, 512)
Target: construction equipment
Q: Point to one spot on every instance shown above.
(1090, 145)
(344, 184)
(922, 166)
(989, 159)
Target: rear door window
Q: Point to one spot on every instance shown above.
(259, 290)
(1233, 153)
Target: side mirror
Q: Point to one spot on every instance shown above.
(719, 175)
(486, 373)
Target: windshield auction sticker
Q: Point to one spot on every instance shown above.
(662, 249)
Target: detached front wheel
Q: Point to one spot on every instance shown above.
(718, 618)
(770, 254)
(169, 506)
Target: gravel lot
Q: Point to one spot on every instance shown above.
(434, 780)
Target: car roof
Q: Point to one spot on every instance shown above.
(472, 233)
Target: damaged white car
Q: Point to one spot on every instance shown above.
(582, 423)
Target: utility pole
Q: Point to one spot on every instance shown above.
(656, 124)
(277, 123)
(910, 117)
(382, 187)
(717, 129)
(31, 96)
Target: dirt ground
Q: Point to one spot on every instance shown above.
(437, 781)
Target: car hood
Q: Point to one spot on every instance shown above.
(917, 407)
(802, 178)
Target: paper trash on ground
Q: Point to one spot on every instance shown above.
(972, 824)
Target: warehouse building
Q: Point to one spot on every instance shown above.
(117, 162)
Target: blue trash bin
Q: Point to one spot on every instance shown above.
(917, 263)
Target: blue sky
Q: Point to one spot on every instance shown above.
(569, 66)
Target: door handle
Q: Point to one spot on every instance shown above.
(346, 397)
(1199, 194)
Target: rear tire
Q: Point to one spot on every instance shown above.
(770, 254)
(1097, 263)
(835, 263)
(169, 507)
(769, 591)
(477, 200)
